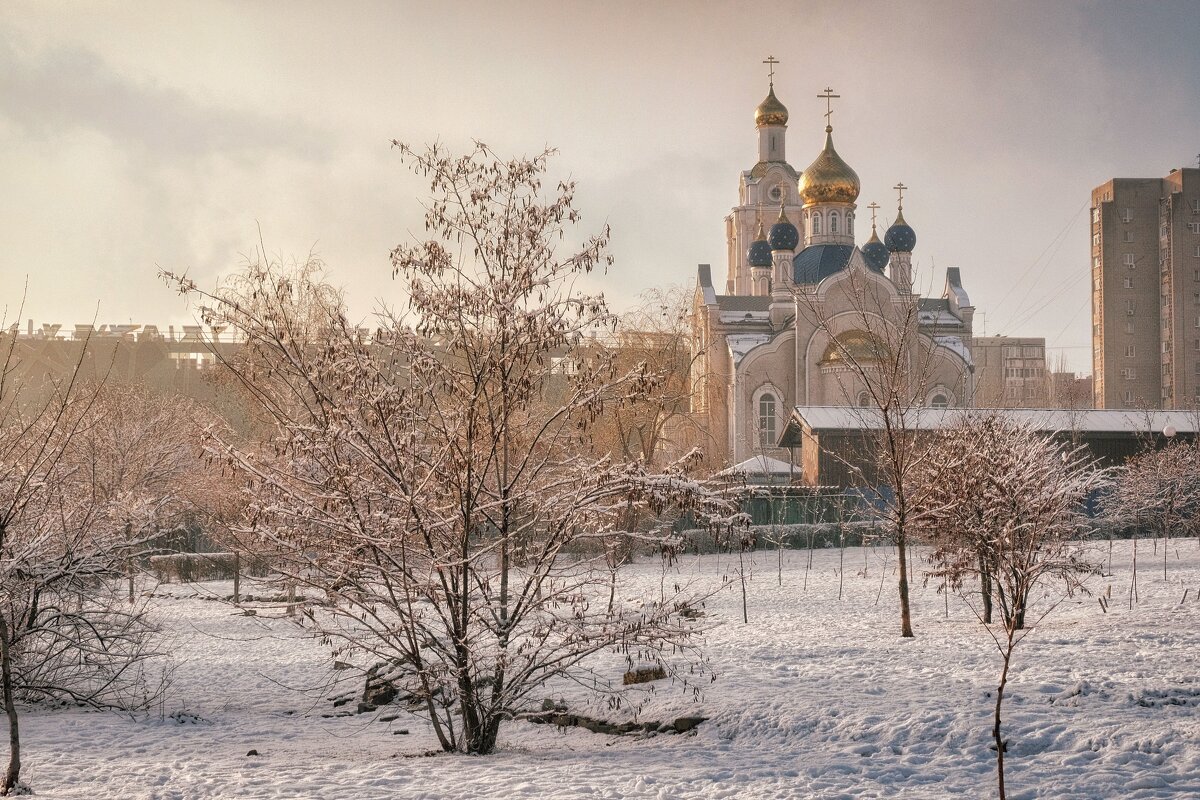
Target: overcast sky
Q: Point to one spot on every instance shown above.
(140, 135)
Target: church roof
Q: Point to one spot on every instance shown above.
(817, 262)
(760, 169)
(936, 311)
(733, 302)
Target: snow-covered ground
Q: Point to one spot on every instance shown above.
(815, 697)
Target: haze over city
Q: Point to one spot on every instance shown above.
(139, 136)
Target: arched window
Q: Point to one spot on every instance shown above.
(833, 222)
(864, 399)
(766, 420)
(850, 222)
(816, 223)
(939, 400)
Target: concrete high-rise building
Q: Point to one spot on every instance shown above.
(1010, 372)
(1146, 291)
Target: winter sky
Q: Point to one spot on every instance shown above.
(135, 136)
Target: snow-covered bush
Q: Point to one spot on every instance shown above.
(430, 477)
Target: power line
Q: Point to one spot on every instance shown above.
(1058, 240)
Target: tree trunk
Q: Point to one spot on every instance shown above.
(481, 740)
(1000, 746)
(13, 775)
(985, 589)
(905, 615)
(612, 589)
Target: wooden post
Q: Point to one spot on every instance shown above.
(237, 576)
(291, 600)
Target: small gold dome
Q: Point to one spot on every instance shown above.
(770, 111)
(829, 179)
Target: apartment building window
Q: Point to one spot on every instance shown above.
(1195, 206)
(1129, 326)
(1129, 283)
(1162, 231)
(1128, 397)
(1127, 215)
(1130, 350)
(1197, 344)
(1198, 322)
(1096, 260)
(1095, 216)
(1096, 239)
(1194, 227)
(1129, 260)
(1196, 253)
(1130, 307)
(1128, 236)
(1129, 373)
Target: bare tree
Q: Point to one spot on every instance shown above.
(884, 367)
(425, 478)
(67, 534)
(1014, 503)
(654, 336)
(1161, 488)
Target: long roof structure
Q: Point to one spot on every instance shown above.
(1043, 420)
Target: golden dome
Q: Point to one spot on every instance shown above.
(770, 111)
(829, 179)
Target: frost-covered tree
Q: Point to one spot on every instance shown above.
(1161, 489)
(431, 476)
(884, 373)
(74, 513)
(1003, 500)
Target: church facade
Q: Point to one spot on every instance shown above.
(807, 317)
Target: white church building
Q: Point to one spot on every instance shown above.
(801, 298)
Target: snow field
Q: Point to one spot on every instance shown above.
(815, 697)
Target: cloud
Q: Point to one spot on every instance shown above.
(69, 89)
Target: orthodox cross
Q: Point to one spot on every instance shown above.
(874, 207)
(771, 62)
(829, 98)
(900, 187)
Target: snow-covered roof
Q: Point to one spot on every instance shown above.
(704, 278)
(742, 343)
(955, 345)
(762, 465)
(954, 288)
(1045, 420)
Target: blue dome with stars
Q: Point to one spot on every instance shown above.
(784, 235)
(875, 253)
(900, 238)
(759, 254)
